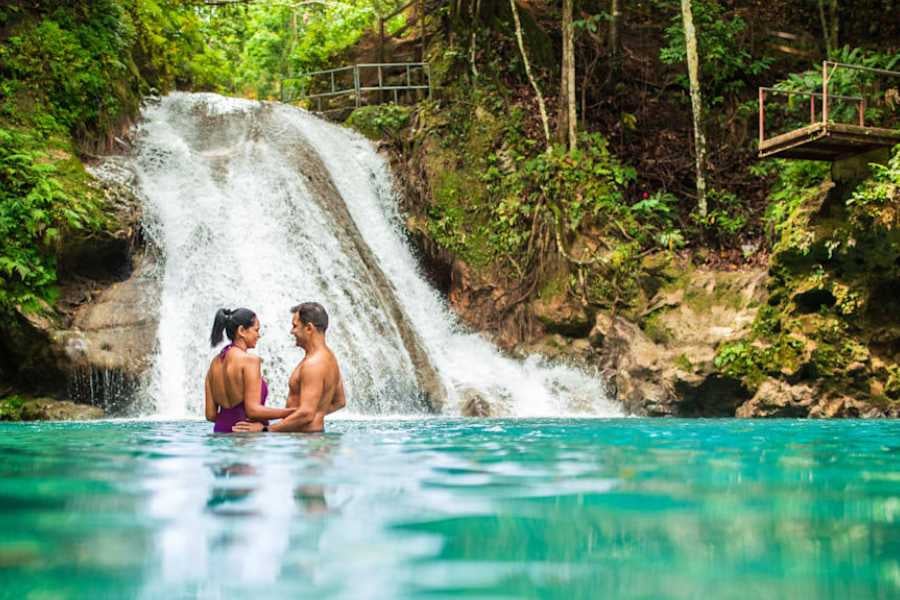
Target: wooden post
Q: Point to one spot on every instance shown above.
(862, 112)
(420, 10)
(381, 40)
(356, 83)
(812, 109)
(825, 92)
(762, 115)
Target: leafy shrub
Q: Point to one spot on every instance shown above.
(879, 92)
(11, 408)
(726, 218)
(34, 209)
(722, 46)
(796, 181)
(380, 121)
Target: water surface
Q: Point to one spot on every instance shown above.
(437, 508)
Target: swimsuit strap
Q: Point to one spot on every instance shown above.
(225, 351)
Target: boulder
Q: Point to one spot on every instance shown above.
(474, 404)
(117, 330)
(666, 367)
(48, 409)
(17, 408)
(776, 398)
(563, 316)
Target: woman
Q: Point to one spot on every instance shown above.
(235, 389)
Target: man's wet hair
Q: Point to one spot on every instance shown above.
(312, 312)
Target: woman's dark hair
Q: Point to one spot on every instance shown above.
(228, 321)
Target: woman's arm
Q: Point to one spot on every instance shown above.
(252, 390)
(212, 410)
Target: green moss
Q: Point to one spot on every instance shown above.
(832, 300)
(655, 329)
(11, 408)
(684, 363)
(554, 287)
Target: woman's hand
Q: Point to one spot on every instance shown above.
(247, 427)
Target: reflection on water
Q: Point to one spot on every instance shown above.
(443, 508)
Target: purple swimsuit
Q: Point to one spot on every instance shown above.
(229, 417)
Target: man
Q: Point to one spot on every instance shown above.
(315, 388)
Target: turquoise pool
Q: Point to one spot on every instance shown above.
(627, 508)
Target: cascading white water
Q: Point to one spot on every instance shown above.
(237, 199)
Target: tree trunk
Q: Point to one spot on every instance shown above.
(568, 75)
(540, 97)
(690, 39)
(615, 20)
(829, 26)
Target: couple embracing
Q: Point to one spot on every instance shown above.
(236, 392)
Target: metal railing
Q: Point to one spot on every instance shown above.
(828, 69)
(363, 72)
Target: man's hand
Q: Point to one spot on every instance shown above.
(247, 427)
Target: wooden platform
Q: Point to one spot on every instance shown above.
(828, 141)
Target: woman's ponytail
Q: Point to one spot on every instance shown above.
(215, 338)
(228, 321)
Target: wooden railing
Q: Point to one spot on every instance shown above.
(299, 88)
(828, 69)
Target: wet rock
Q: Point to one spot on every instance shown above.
(562, 316)
(475, 405)
(46, 409)
(117, 330)
(666, 367)
(775, 398)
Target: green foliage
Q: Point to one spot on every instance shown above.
(722, 48)
(11, 408)
(266, 43)
(68, 60)
(726, 218)
(34, 210)
(832, 302)
(879, 191)
(879, 92)
(657, 215)
(873, 216)
(795, 183)
(380, 121)
(568, 188)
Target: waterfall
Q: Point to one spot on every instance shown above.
(263, 205)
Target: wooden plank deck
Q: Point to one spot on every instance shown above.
(828, 141)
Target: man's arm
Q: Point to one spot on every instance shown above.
(339, 401)
(252, 391)
(312, 378)
(211, 409)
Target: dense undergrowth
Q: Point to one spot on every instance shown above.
(71, 74)
(583, 222)
(72, 77)
(832, 318)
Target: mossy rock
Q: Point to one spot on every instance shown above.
(21, 408)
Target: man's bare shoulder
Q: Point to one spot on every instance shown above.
(312, 365)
